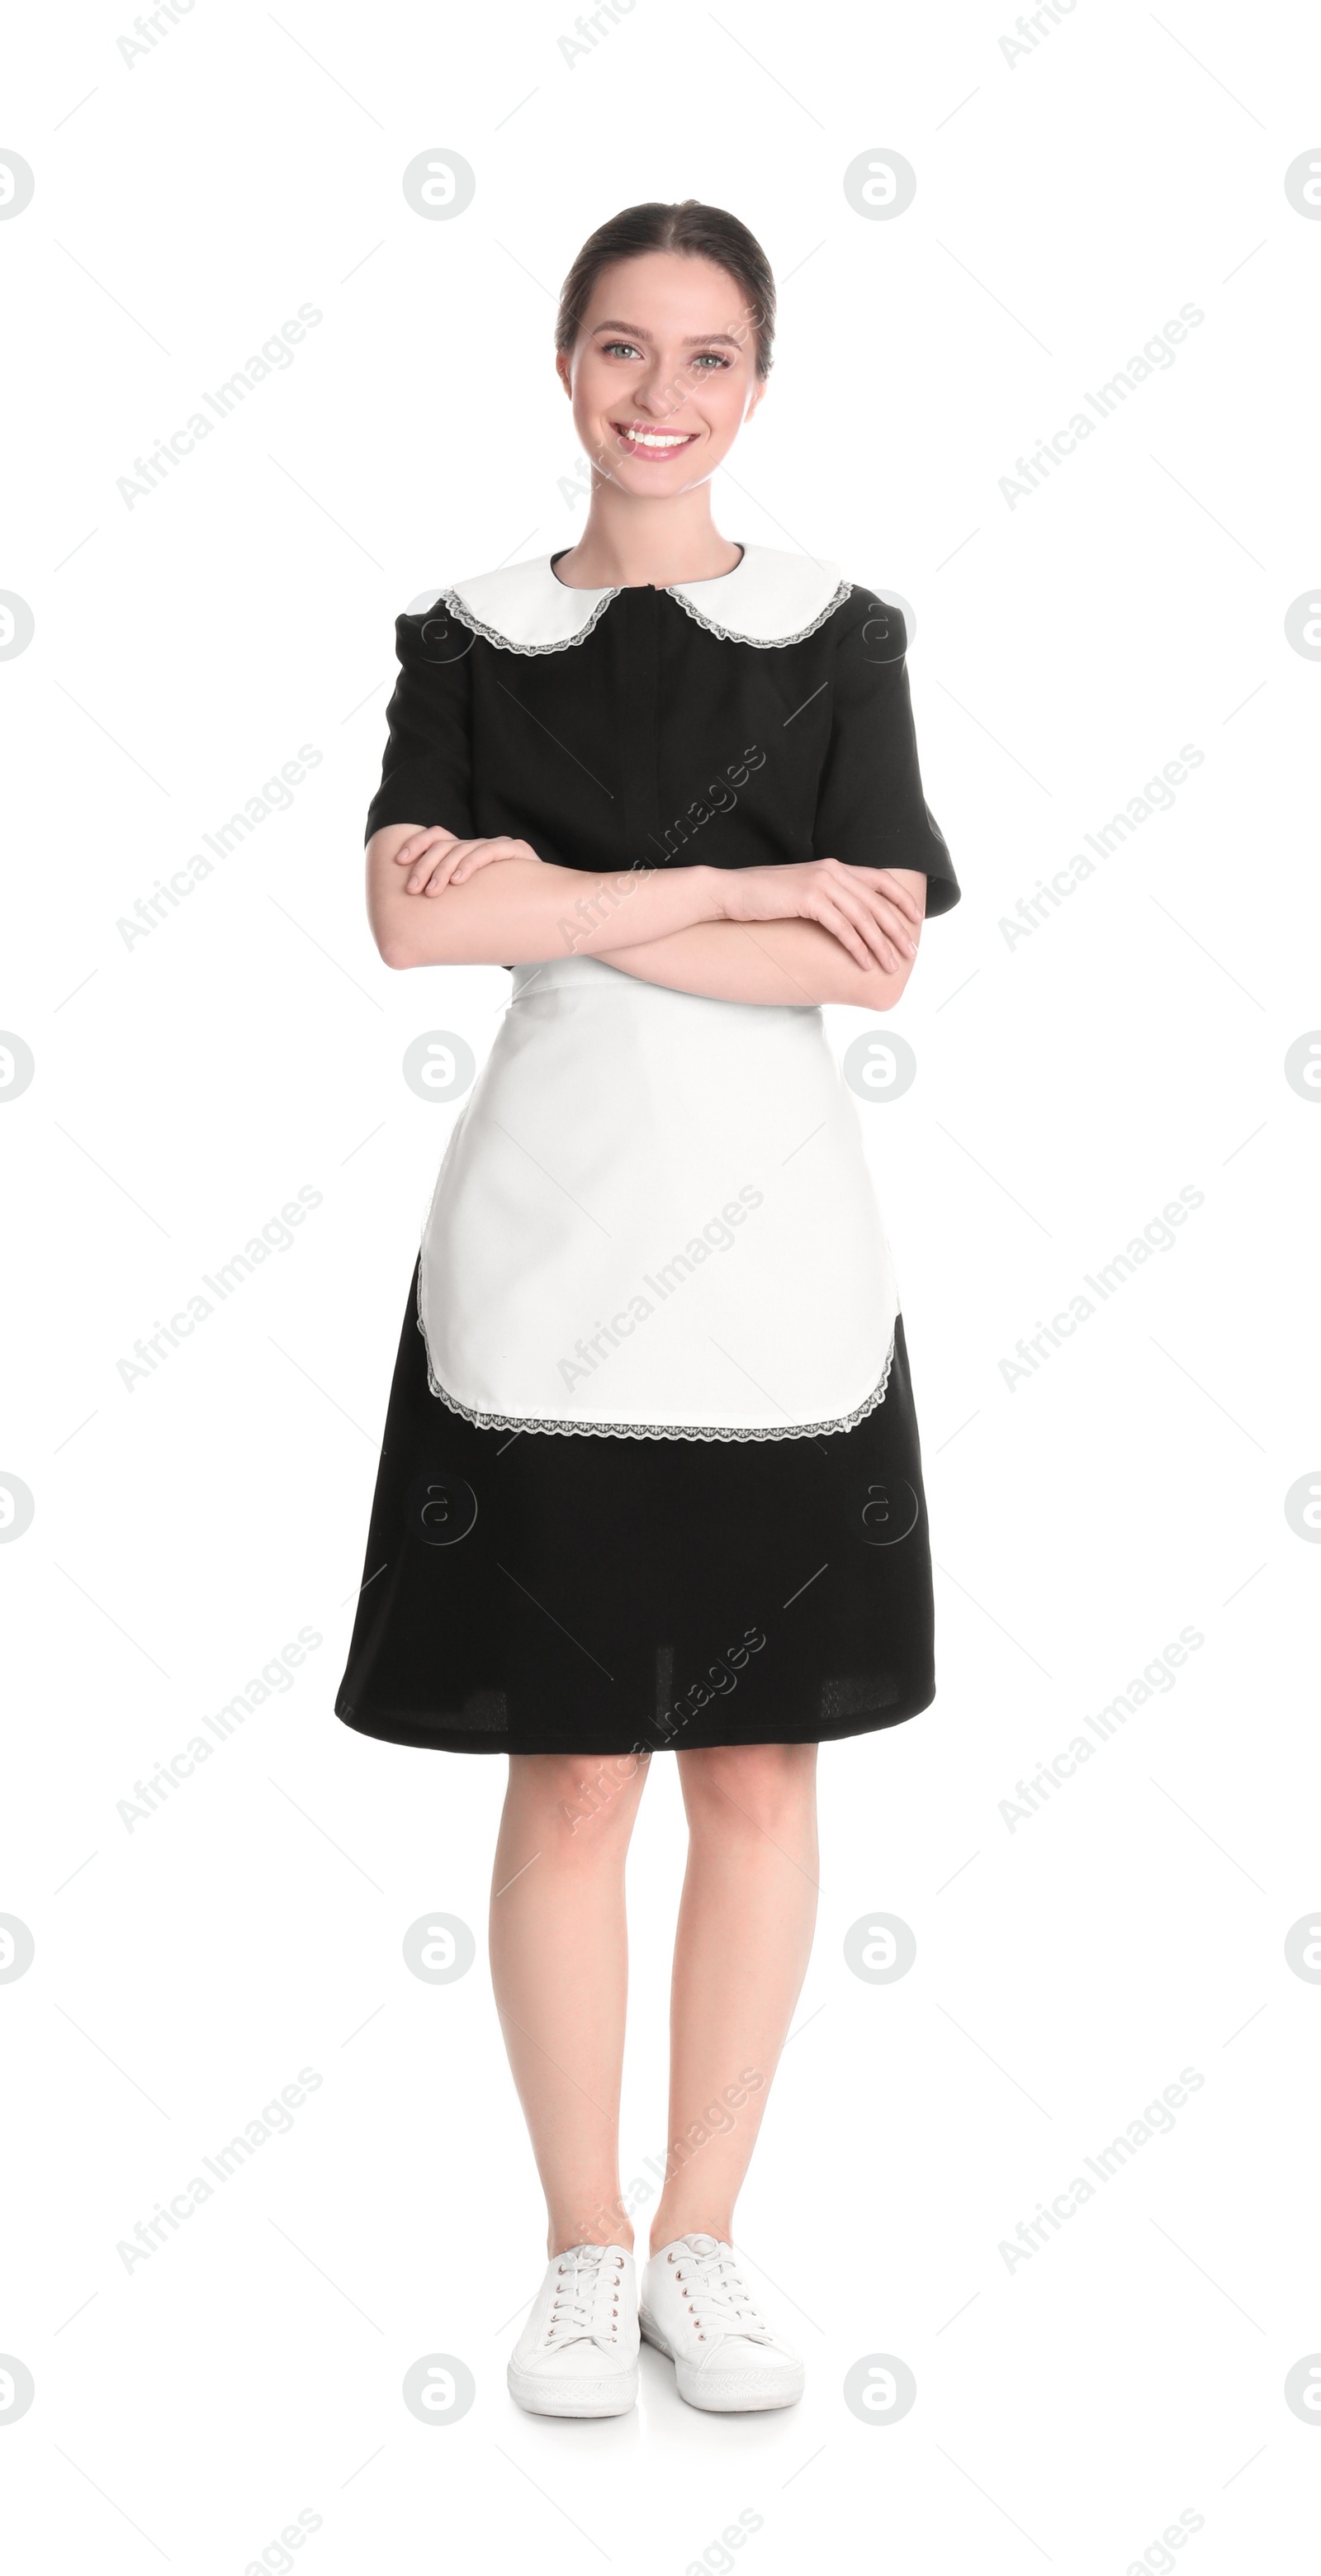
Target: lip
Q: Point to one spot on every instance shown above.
(630, 446)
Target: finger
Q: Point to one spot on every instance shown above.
(420, 856)
(911, 899)
(481, 854)
(444, 869)
(472, 855)
(462, 860)
(880, 953)
(900, 897)
(899, 930)
(841, 928)
(885, 914)
(447, 864)
(896, 892)
(859, 903)
(411, 850)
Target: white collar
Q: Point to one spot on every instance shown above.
(770, 597)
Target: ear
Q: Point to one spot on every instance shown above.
(562, 371)
(757, 392)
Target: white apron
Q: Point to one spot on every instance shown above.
(654, 1215)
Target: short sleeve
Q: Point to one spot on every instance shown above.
(426, 773)
(871, 811)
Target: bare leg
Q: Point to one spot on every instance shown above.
(559, 1967)
(746, 1920)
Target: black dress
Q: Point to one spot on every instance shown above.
(651, 1475)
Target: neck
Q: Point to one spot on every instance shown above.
(628, 541)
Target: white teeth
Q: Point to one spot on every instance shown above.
(656, 438)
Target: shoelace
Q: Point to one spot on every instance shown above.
(586, 2301)
(719, 2298)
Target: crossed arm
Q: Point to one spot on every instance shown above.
(812, 932)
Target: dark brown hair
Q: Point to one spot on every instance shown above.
(702, 232)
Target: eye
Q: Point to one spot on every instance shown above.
(711, 358)
(620, 349)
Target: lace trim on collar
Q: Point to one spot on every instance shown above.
(491, 634)
(764, 643)
(458, 607)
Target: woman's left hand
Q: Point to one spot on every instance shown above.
(437, 857)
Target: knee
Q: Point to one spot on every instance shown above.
(765, 1785)
(579, 1803)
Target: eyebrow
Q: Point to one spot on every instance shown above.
(696, 339)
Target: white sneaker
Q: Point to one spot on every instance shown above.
(578, 2352)
(697, 2307)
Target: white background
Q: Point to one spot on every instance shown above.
(1066, 648)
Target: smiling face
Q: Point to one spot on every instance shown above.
(664, 372)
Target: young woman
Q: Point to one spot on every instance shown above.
(651, 1477)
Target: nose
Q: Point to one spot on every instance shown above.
(659, 390)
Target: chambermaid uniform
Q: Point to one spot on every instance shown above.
(651, 1473)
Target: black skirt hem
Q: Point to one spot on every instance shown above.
(424, 1735)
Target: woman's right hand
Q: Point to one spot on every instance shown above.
(874, 913)
(437, 858)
